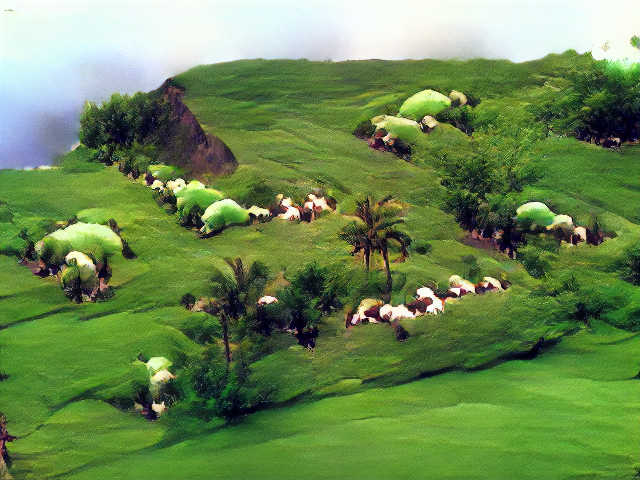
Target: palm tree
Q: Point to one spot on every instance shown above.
(232, 296)
(378, 227)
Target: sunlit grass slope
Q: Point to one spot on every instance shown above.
(570, 413)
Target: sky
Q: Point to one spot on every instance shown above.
(54, 54)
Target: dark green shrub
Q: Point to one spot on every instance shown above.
(535, 261)
(629, 265)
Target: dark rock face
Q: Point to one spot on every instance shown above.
(186, 143)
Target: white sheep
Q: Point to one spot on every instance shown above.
(292, 213)
(267, 300)
(458, 281)
(158, 407)
(258, 212)
(436, 307)
(424, 292)
(163, 376)
(385, 311)
(81, 260)
(175, 185)
(581, 232)
(491, 283)
(319, 203)
(157, 185)
(401, 311)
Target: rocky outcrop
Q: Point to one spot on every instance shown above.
(186, 144)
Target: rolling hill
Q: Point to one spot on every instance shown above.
(442, 404)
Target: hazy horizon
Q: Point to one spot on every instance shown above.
(54, 55)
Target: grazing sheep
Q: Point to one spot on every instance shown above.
(258, 213)
(385, 312)
(456, 292)
(419, 307)
(163, 376)
(490, 283)
(368, 305)
(176, 184)
(373, 314)
(458, 281)
(276, 210)
(424, 292)
(436, 307)
(320, 203)
(292, 213)
(157, 185)
(581, 233)
(267, 300)
(306, 214)
(401, 312)
(355, 319)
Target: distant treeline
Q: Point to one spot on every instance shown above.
(123, 121)
(599, 102)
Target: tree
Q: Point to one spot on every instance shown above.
(233, 296)
(378, 228)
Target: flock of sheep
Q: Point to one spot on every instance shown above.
(225, 212)
(426, 301)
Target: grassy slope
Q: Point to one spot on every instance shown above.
(571, 413)
(289, 125)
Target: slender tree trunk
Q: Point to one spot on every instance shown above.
(387, 269)
(225, 337)
(367, 259)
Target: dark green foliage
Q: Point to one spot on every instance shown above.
(601, 101)
(629, 265)
(378, 227)
(232, 296)
(365, 130)
(464, 206)
(188, 301)
(472, 99)
(259, 193)
(121, 121)
(298, 309)
(315, 290)
(80, 160)
(460, 117)
(311, 280)
(473, 273)
(535, 260)
(422, 248)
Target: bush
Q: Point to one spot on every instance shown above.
(365, 130)
(535, 261)
(629, 265)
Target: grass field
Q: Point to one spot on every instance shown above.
(351, 408)
(571, 413)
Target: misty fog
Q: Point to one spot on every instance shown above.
(54, 55)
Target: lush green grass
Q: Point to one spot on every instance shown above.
(607, 180)
(567, 414)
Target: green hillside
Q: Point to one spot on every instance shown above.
(70, 373)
